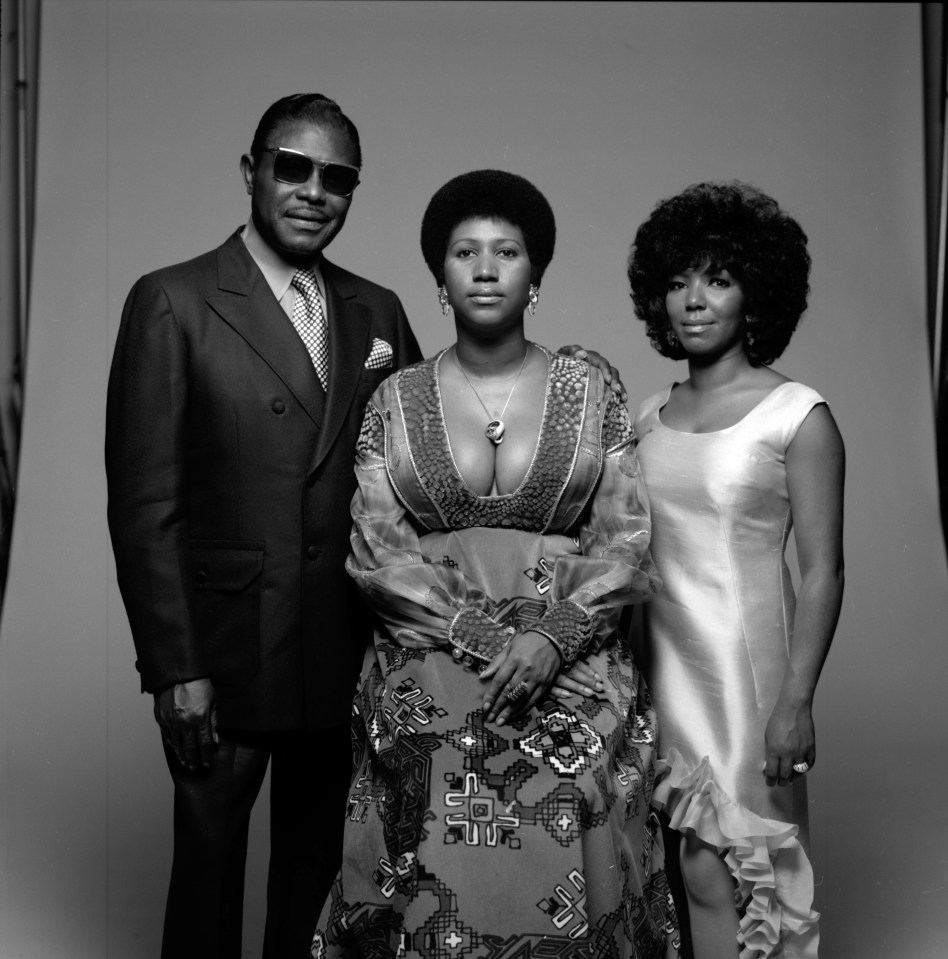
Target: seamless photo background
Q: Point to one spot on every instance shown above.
(145, 109)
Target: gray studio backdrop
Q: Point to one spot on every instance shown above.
(145, 108)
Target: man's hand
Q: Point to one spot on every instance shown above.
(609, 373)
(188, 720)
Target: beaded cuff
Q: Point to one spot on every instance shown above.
(616, 426)
(476, 637)
(568, 626)
(371, 440)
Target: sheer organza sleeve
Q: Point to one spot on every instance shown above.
(614, 567)
(421, 603)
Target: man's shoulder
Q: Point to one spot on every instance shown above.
(345, 281)
(205, 266)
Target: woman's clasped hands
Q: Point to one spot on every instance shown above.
(523, 672)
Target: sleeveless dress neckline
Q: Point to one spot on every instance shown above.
(726, 429)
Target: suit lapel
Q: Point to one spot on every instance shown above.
(247, 304)
(349, 328)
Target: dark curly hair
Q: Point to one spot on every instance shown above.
(494, 195)
(304, 108)
(731, 226)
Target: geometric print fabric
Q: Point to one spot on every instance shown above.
(465, 840)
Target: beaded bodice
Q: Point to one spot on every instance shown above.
(561, 476)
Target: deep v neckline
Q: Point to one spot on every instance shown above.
(453, 504)
(447, 435)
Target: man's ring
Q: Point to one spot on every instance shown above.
(515, 692)
(801, 768)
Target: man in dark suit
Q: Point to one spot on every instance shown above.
(235, 400)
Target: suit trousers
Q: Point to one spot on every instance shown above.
(310, 775)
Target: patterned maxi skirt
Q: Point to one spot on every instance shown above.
(469, 840)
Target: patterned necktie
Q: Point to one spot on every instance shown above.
(310, 322)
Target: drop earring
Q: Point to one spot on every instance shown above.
(443, 300)
(749, 323)
(533, 297)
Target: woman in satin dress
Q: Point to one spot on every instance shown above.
(500, 527)
(733, 457)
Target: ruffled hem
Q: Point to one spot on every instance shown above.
(773, 874)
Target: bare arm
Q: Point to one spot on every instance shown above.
(815, 473)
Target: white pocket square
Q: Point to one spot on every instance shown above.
(380, 355)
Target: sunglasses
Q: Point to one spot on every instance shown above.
(291, 166)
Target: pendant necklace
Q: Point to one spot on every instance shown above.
(495, 428)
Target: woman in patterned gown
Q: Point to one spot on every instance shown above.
(499, 528)
(732, 457)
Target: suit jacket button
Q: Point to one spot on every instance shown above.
(278, 406)
(312, 552)
(201, 577)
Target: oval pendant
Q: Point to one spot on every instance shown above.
(495, 431)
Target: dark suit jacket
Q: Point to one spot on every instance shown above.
(230, 475)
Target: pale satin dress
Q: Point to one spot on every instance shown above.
(716, 648)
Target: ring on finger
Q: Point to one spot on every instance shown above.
(801, 769)
(516, 692)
